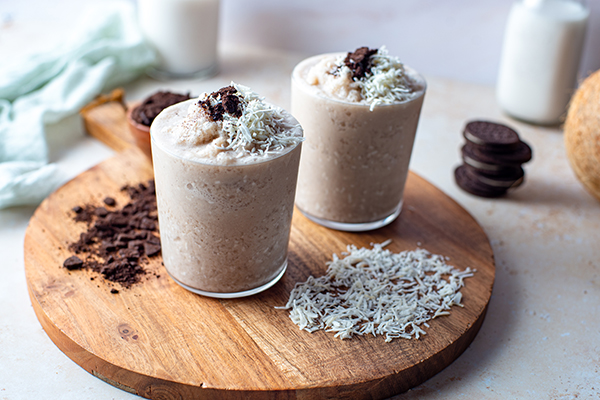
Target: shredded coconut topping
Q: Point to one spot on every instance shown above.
(383, 82)
(250, 126)
(378, 292)
(387, 82)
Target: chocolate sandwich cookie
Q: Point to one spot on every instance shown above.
(507, 178)
(479, 158)
(496, 137)
(474, 186)
(520, 155)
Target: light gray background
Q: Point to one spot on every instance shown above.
(458, 39)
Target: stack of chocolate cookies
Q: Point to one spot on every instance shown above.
(492, 159)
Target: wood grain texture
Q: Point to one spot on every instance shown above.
(162, 342)
(106, 122)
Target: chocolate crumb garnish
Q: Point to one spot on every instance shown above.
(153, 105)
(359, 61)
(73, 263)
(118, 242)
(226, 100)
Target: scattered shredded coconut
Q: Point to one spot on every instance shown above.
(378, 292)
(259, 127)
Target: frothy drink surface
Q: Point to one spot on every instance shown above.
(355, 160)
(224, 215)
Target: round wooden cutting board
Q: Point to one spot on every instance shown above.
(160, 341)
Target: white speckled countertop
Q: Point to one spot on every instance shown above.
(541, 336)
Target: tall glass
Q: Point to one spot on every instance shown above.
(355, 160)
(224, 228)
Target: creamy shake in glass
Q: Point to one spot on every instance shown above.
(359, 112)
(225, 167)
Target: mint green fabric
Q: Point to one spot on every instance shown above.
(108, 50)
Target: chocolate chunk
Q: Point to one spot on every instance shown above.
(120, 244)
(226, 100)
(119, 221)
(151, 249)
(108, 246)
(114, 242)
(109, 201)
(114, 291)
(101, 212)
(135, 244)
(148, 224)
(129, 253)
(231, 104)
(152, 106)
(125, 237)
(359, 61)
(152, 239)
(73, 263)
(87, 237)
(83, 214)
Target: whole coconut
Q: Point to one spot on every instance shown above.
(582, 133)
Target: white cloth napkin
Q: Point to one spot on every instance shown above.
(108, 50)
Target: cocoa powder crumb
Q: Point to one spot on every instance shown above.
(117, 242)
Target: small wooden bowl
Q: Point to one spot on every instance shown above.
(140, 132)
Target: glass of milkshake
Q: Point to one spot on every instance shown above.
(225, 167)
(359, 112)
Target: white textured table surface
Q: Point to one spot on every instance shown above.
(541, 337)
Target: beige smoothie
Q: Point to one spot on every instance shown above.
(225, 168)
(359, 136)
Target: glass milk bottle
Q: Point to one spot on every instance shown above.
(540, 59)
(184, 33)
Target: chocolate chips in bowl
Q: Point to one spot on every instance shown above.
(140, 117)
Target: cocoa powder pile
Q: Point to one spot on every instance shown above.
(118, 241)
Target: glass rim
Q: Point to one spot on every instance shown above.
(256, 158)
